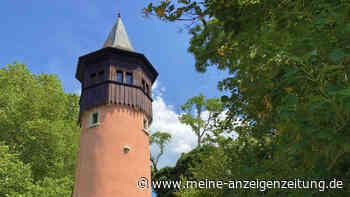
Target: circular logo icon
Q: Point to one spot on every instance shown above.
(142, 183)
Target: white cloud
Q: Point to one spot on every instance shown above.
(183, 147)
(165, 119)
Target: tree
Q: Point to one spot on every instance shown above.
(182, 169)
(15, 176)
(194, 111)
(289, 65)
(160, 139)
(38, 123)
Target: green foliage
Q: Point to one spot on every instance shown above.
(183, 168)
(289, 65)
(15, 176)
(193, 115)
(38, 123)
(52, 187)
(160, 139)
(164, 174)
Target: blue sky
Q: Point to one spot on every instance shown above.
(49, 36)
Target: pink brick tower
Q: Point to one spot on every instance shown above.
(115, 112)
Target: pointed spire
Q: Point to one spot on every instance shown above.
(118, 38)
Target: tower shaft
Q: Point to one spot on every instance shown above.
(115, 113)
(104, 167)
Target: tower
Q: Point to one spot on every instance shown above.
(115, 111)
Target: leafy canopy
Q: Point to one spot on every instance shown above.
(39, 134)
(289, 65)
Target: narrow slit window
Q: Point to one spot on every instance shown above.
(129, 78)
(120, 77)
(143, 85)
(145, 124)
(94, 118)
(147, 89)
(93, 78)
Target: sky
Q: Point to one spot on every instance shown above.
(49, 36)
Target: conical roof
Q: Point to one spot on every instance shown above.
(118, 38)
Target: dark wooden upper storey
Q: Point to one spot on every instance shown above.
(115, 76)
